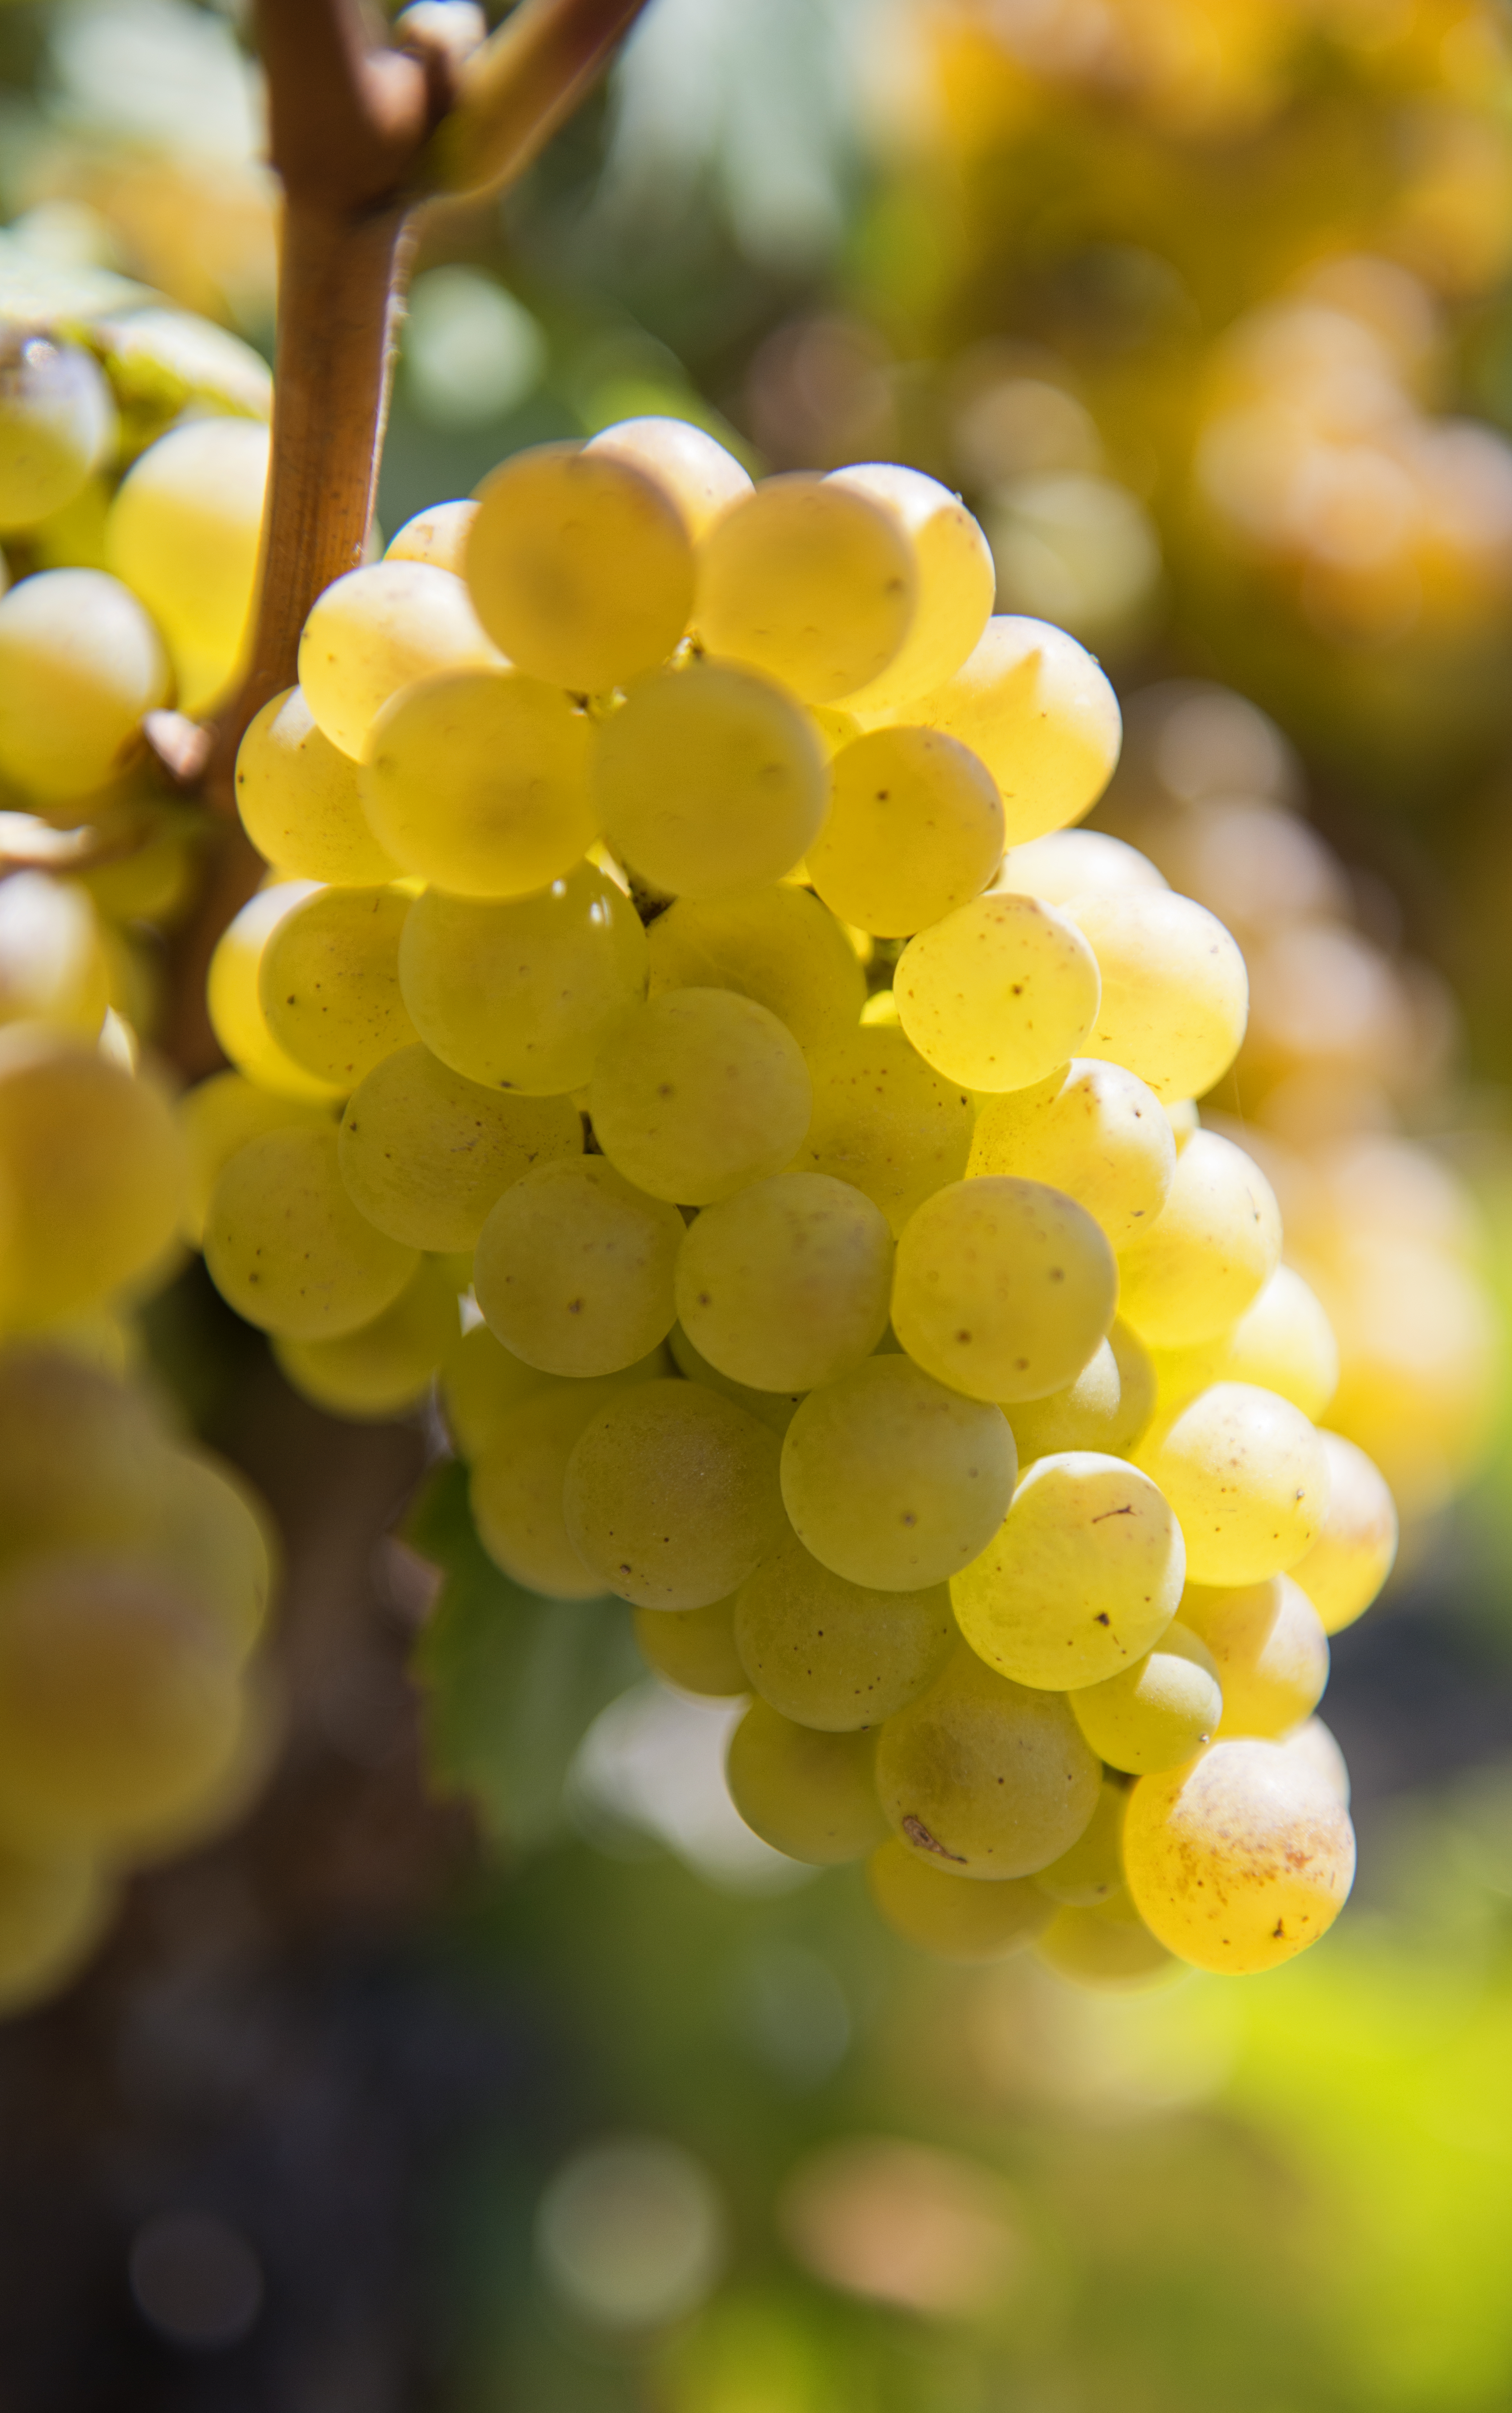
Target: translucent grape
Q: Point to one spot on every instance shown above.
(774, 1408)
(1240, 1858)
(1003, 1289)
(56, 423)
(694, 1649)
(810, 582)
(184, 532)
(219, 1115)
(929, 1905)
(1093, 1869)
(437, 535)
(707, 780)
(580, 566)
(1091, 1129)
(385, 1366)
(53, 967)
(78, 1455)
(1072, 862)
(1283, 1343)
(516, 1491)
(989, 1778)
(478, 780)
(378, 630)
(519, 994)
(1158, 1713)
(776, 945)
(329, 983)
(884, 1120)
(1354, 1548)
(233, 996)
(1175, 994)
(1270, 1649)
(1208, 1254)
(285, 1246)
(836, 1654)
(915, 830)
(1248, 1479)
(1034, 706)
(702, 476)
(425, 1153)
(1106, 1945)
(672, 1496)
(956, 577)
(574, 1267)
(298, 798)
(481, 1382)
(1313, 1743)
(809, 1794)
(1106, 1407)
(999, 994)
(785, 1285)
(893, 1481)
(80, 663)
(697, 1092)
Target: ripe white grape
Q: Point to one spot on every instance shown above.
(1158, 1713)
(1175, 993)
(786, 1284)
(702, 476)
(378, 630)
(694, 1649)
(1003, 1289)
(425, 1153)
(985, 1776)
(1355, 1545)
(999, 993)
(516, 1488)
(1105, 1945)
(1091, 1129)
(437, 535)
(774, 1408)
(219, 1115)
(953, 562)
(297, 797)
(233, 996)
(386, 1366)
(1247, 1476)
(931, 1905)
(1038, 709)
(481, 1382)
(1093, 1869)
(52, 962)
(1191, 1271)
(835, 1654)
(915, 829)
(574, 1267)
(327, 982)
(697, 1092)
(285, 1246)
(671, 1495)
(1283, 1343)
(809, 1794)
(184, 533)
(80, 663)
(57, 421)
(1108, 1407)
(884, 1120)
(1270, 1649)
(810, 582)
(1072, 862)
(775, 944)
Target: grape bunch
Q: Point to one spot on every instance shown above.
(679, 1012)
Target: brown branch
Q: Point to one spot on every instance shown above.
(523, 83)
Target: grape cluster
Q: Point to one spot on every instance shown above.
(676, 950)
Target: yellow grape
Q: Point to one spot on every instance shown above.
(1034, 706)
(297, 797)
(1091, 1129)
(477, 780)
(580, 566)
(1192, 1272)
(1283, 1343)
(1313, 1743)
(219, 1115)
(1241, 1858)
(703, 477)
(1270, 1649)
(698, 1091)
(383, 1368)
(915, 829)
(694, 1649)
(884, 1120)
(53, 1908)
(184, 533)
(519, 993)
(894, 1481)
(482, 1382)
(285, 1246)
(234, 1000)
(79, 1457)
(378, 630)
(785, 1285)
(80, 663)
(989, 1778)
(1355, 1545)
(1093, 1869)
(1247, 1477)
(57, 423)
(327, 982)
(209, 1527)
(998, 994)
(1106, 1407)
(1106, 1946)
(810, 582)
(425, 1153)
(1158, 1713)
(54, 966)
(1184, 1119)
(1175, 993)
(774, 1408)
(516, 1490)
(809, 1794)
(1072, 862)
(437, 535)
(956, 576)
(672, 1495)
(1003, 1289)
(836, 1654)
(776, 945)
(707, 780)
(929, 1905)
(574, 1267)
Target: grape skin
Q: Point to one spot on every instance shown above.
(834, 1654)
(809, 1794)
(671, 1496)
(991, 1779)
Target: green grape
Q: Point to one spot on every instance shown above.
(437, 535)
(1247, 1476)
(57, 423)
(80, 663)
(810, 582)
(53, 967)
(786, 1284)
(1082, 1579)
(884, 1120)
(327, 982)
(378, 630)
(482, 1382)
(1106, 1407)
(425, 1153)
(1093, 1869)
(477, 780)
(929, 1905)
(809, 1794)
(1071, 862)
(831, 1653)
(1175, 993)
(1313, 1743)
(999, 994)
(893, 1481)
(708, 780)
(1283, 1343)
(1158, 1713)
(774, 1408)
(183, 533)
(702, 477)
(1091, 1129)
(233, 996)
(1241, 1858)
(991, 1778)
(1209, 1254)
(53, 1908)
(1106, 1945)
(1354, 1548)
(297, 797)
(1003, 1289)
(94, 1170)
(285, 1246)
(694, 1649)
(776, 945)
(574, 1267)
(519, 993)
(383, 1368)
(516, 1490)
(915, 830)
(1034, 706)
(1270, 1649)
(953, 563)
(672, 1496)
(697, 1092)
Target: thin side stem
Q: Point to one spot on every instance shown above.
(525, 81)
